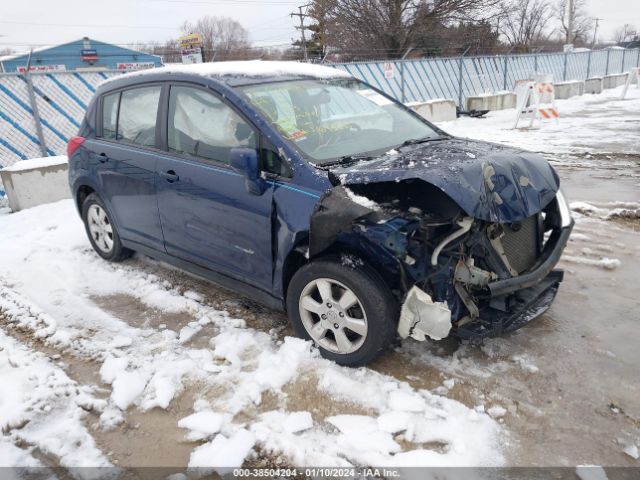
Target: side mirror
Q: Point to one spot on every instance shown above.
(245, 161)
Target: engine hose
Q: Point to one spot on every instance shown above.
(464, 224)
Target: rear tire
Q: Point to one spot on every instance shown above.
(101, 230)
(348, 312)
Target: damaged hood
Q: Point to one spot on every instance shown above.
(489, 182)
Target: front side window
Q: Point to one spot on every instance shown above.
(201, 125)
(330, 119)
(137, 117)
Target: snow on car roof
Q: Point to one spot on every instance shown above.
(249, 68)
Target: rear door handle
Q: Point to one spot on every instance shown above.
(170, 176)
(102, 157)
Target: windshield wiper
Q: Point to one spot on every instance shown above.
(415, 141)
(347, 160)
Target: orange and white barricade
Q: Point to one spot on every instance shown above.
(634, 74)
(537, 103)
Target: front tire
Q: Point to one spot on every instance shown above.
(101, 230)
(348, 312)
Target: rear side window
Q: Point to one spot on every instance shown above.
(138, 113)
(203, 126)
(110, 115)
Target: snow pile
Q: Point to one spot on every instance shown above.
(607, 210)
(37, 163)
(624, 214)
(603, 262)
(362, 201)
(580, 117)
(497, 411)
(43, 408)
(222, 454)
(632, 451)
(591, 472)
(148, 367)
(525, 363)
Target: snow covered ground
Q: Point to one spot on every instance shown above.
(95, 353)
(589, 124)
(50, 278)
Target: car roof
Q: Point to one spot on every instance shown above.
(232, 73)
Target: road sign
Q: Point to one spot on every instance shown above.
(388, 70)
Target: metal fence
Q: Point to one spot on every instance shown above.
(39, 112)
(461, 77)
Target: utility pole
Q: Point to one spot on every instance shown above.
(302, 16)
(595, 32)
(570, 22)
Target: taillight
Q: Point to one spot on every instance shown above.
(73, 145)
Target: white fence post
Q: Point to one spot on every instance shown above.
(36, 114)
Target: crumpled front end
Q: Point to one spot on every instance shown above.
(452, 273)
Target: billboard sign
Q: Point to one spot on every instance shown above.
(191, 48)
(191, 40)
(132, 66)
(43, 68)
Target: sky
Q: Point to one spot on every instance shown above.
(45, 22)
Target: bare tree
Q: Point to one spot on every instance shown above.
(624, 33)
(582, 22)
(169, 50)
(388, 28)
(524, 22)
(223, 38)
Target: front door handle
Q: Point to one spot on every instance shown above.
(102, 157)
(170, 176)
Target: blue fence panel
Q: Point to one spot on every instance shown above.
(459, 78)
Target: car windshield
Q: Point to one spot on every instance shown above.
(329, 120)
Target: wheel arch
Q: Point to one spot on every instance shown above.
(379, 263)
(81, 194)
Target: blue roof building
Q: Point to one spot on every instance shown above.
(84, 54)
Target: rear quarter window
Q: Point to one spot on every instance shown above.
(110, 115)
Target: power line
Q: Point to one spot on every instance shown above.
(225, 2)
(88, 25)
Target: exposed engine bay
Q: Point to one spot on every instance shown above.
(451, 272)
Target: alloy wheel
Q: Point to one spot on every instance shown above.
(100, 228)
(333, 316)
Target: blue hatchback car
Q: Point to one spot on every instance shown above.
(310, 191)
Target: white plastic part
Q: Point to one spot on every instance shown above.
(420, 316)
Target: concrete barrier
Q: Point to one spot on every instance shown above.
(613, 81)
(497, 101)
(564, 90)
(32, 182)
(435, 110)
(593, 85)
